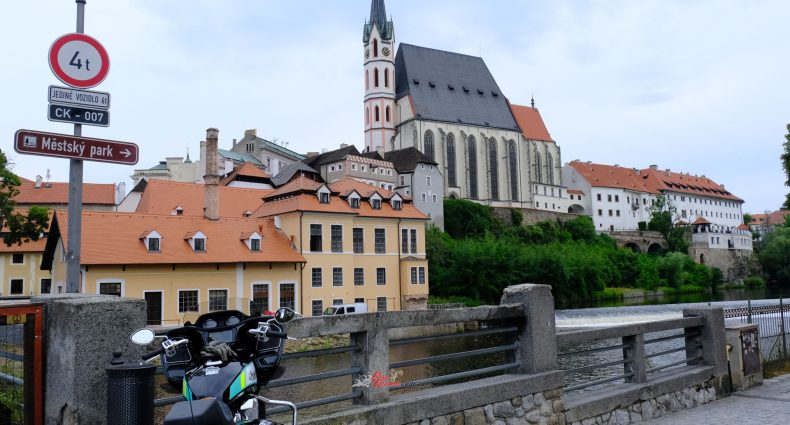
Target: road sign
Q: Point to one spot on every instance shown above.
(78, 115)
(79, 60)
(65, 146)
(91, 99)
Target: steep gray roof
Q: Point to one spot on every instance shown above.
(241, 157)
(287, 172)
(331, 156)
(378, 16)
(406, 160)
(272, 147)
(451, 87)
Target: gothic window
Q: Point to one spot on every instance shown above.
(375, 50)
(550, 168)
(375, 77)
(429, 144)
(376, 114)
(513, 170)
(387, 114)
(367, 115)
(472, 167)
(451, 160)
(493, 165)
(367, 79)
(386, 77)
(538, 168)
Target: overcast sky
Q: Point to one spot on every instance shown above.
(693, 86)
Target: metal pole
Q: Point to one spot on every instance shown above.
(749, 311)
(73, 278)
(782, 328)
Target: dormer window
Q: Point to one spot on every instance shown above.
(178, 211)
(323, 198)
(354, 202)
(375, 203)
(252, 240)
(255, 244)
(397, 205)
(197, 240)
(152, 241)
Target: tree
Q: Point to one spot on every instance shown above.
(747, 218)
(16, 226)
(786, 164)
(775, 255)
(662, 220)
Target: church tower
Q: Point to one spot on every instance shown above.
(378, 39)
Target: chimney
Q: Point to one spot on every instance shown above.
(39, 180)
(343, 145)
(234, 143)
(312, 154)
(251, 133)
(211, 178)
(654, 167)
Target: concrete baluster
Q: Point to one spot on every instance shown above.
(372, 358)
(712, 339)
(538, 351)
(634, 356)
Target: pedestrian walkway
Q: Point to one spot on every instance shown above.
(768, 404)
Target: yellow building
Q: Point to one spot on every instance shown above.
(20, 270)
(176, 263)
(361, 244)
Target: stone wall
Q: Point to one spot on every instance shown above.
(531, 216)
(539, 408)
(734, 263)
(646, 410)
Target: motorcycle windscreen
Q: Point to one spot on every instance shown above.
(212, 381)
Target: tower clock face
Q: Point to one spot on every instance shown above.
(385, 51)
(367, 53)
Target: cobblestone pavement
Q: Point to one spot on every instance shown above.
(768, 404)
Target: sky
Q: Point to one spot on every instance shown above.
(699, 87)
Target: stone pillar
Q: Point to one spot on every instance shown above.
(634, 353)
(712, 338)
(80, 334)
(372, 359)
(211, 178)
(538, 351)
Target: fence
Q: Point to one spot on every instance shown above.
(772, 325)
(21, 368)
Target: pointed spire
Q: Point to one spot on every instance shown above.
(188, 161)
(378, 14)
(533, 100)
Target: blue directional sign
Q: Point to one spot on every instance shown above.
(78, 115)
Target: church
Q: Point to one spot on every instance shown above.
(449, 107)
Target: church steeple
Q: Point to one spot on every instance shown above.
(378, 18)
(378, 40)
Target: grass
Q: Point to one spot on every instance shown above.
(467, 301)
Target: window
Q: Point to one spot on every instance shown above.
(387, 82)
(600, 212)
(255, 244)
(414, 275)
(451, 160)
(359, 276)
(200, 244)
(315, 238)
(359, 300)
(110, 288)
(359, 241)
(353, 202)
(434, 199)
(323, 197)
(336, 231)
(153, 244)
(539, 169)
(367, 82)
(288, 295)
(217, 299)
(610, 213)
(617, 198)
(187, 301)
(46, 286)
(375, 204)
(550, 168)
(387, 118)
(381, 304)
(317, 277)
(376, 82)
(422, 275)
(337, 276)
(318, 307)
(428, 180)
(380, 241)
(599, 196)
(339, 301)
(493, 168)
(511, 151)
(413, 241)
(618, 213)
(381, 276)
(423, 197)
(472, 168)
(260, 299)
(16, 286)
(429, 150)
(609, 198)
(404, 241)
(17, 258)
(367, 113)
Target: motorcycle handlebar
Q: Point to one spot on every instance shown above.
(275, 334)
(151, 354)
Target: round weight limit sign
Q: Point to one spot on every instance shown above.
(79, 60)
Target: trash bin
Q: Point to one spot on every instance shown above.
(130, 393)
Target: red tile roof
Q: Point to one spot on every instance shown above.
(246, 169)
(600, 175)
(575, 192)
(742, 227)
(114, 238)
(772, 218)
(161, 197)
(58, 193)
(701, 220)
(665, 180)
(531, 123)
(297, 185)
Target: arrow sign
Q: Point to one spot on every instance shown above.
(65, 146)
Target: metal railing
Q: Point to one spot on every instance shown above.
(628, 353)
(772, 322)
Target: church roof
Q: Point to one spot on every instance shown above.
(406, 160)
(378, 17)
(451, 87)
(531, 123)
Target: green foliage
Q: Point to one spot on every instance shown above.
(469, 302)
(753, 282)
(662, 215)
(516, 217)
(785, 157)
(17, 227)
(467, 219)
(642, 225)
(747, 218)
(775, 255)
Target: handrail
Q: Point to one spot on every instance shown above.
(568, 339)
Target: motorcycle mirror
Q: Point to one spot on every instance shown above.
(143, 336)
(284, 315)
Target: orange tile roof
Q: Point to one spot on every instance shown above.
(114, 238)
(161, 197)
(29, 246)
(772, 218)
(297, 185)
(664, 180)
(531, 123)
(701, 220)
(346, 185)
(599, 175)
(303, 202)
(742, 227)
(58, 193)
(575, 191)
(246, 169)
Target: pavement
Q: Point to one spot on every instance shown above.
(768, 404)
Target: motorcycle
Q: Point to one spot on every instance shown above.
(222, 361)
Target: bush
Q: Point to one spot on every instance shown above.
(516, 216)
(642, 225)
(753, 282)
